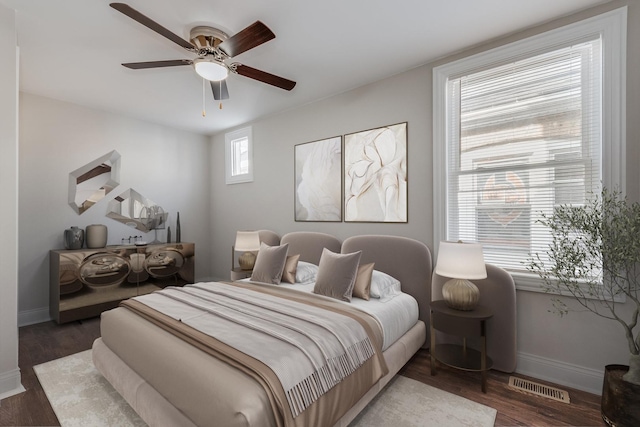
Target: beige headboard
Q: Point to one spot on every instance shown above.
(309, 244)
(407, 260)
(269, 237)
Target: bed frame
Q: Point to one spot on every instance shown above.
(406, 259)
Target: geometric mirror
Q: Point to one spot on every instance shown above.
(134, 210)
(93, 181)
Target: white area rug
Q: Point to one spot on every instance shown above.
(81, 397)
(406, 403)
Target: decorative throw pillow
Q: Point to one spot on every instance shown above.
(337, 274)
(383, 286)
(306, 272)
(270, 264)
(362, 287)
(290, 267)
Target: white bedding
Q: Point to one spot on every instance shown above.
(396, 316)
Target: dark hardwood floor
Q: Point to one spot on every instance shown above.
(47, 341)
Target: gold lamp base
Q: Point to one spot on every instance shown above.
(247, 260)
(460, 294)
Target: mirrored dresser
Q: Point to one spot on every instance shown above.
(86, 282)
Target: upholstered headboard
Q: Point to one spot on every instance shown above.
(406, 259)
(309, 244)
(498, 292)
(269, 237)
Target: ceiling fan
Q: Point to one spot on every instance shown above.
(213, 48)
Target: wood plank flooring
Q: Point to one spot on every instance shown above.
(47, 341)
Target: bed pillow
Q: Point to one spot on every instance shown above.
(362, 287)
(383, 286)
(337, 274)
(306, 272)
(290, 267)
(270, 263)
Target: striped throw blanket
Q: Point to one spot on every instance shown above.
(310, 349)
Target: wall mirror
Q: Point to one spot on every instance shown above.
(135, 210)
(93, 181)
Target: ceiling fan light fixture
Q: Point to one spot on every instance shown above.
(210, 69)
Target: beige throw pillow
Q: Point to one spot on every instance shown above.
(290, 267)
(362, 286)
(337, 274)
(270, 264)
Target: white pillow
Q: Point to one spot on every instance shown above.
(383, 286)
(306, 272)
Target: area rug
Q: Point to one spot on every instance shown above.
(81, 397)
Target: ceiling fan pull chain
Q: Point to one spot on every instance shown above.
(204, 113)
(220, 83)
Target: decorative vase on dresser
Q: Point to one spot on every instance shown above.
(96, 236)
(73, 238)
(178, 231)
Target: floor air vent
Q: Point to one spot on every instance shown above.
(539, 389)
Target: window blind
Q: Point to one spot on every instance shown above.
(522, 138)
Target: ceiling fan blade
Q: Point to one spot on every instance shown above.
(151, 24)
(252, 36)
(157, 64)
(265, 77)
(220, 90)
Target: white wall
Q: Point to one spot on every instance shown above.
(168, 166)
(268, 201)
(571, 350)
(9, 371)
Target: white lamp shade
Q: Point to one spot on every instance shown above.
(461, 261)
(210, 70)
(247, 241)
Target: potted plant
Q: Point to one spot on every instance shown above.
(594, 259)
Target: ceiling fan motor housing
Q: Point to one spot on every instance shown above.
(208, 38)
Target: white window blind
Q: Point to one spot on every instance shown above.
(522, 138)
(524, 127)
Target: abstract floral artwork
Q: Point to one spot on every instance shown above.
(318, 180)
(375, 175)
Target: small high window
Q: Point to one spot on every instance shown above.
(239, 156)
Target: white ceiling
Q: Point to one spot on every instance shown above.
(72, 49)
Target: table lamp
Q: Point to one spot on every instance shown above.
(461, 262)
(247, 242)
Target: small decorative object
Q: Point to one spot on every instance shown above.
(96, 236)
(375, 175)
(318, 180)
(178, 237)
(169, 234)
(593, 257)
(247, 241)
(462, 262)
(73, 238)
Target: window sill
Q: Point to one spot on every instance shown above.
(533, 283)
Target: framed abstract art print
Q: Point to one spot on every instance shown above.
(318, 180)
(375, 175)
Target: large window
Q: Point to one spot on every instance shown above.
(523, 128)
(239, 156)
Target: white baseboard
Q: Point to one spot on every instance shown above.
(31, 317)
(10, 384)
(562, 373)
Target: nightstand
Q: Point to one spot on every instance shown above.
(465, 324)
(239, 274)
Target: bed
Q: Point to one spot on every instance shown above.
(168, 381)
